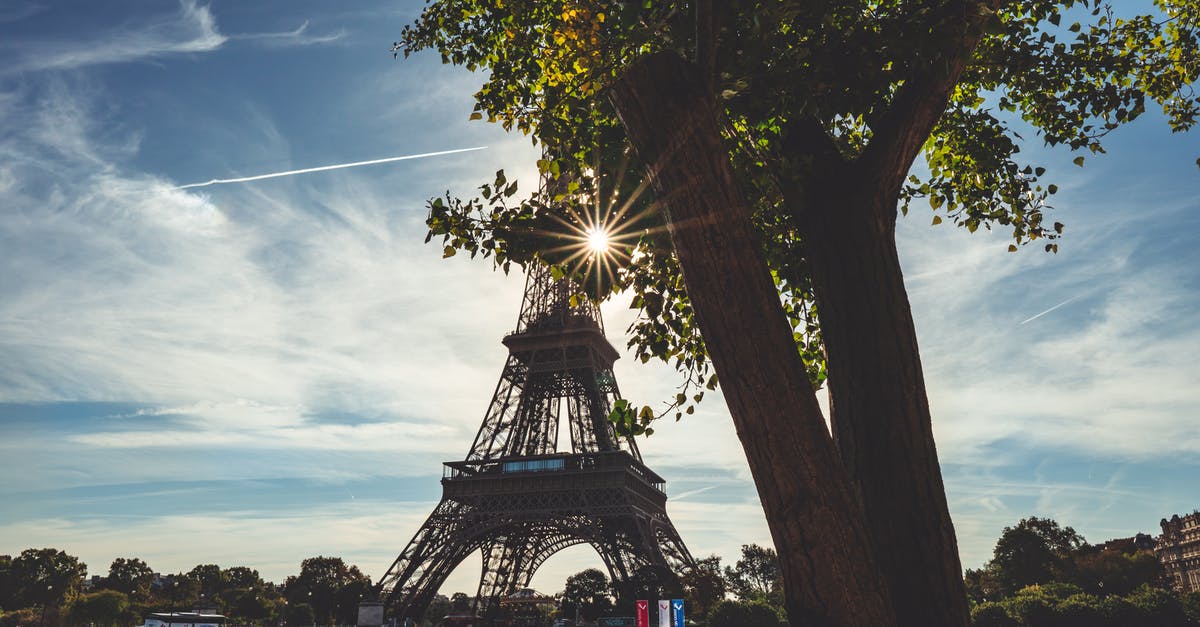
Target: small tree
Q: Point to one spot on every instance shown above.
(1079, 610)
(7, 586)
(991, 614)
(210, 578)
(589, 592)
(438, 608)
(704, 585)
(330, 586)
(130, 576)
(756, 576)
(46, 577)
(743, 614)
(106, 608)
(1034, 551)
(1159, 608)
(1112, 571)
(299, 614)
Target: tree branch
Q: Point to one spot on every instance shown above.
(805, 138)
(920, 101)
(710, 17)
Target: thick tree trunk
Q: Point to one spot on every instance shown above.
(830, 574)
(879, 410)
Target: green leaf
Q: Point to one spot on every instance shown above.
(1078, 161)
(937, 219)
(476, 116)
(448, 252)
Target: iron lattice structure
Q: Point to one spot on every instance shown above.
(518, 500)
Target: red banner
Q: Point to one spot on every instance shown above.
(643, 613)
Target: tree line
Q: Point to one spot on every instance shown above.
(1042, 574)
(1045, 575)
(49, 587)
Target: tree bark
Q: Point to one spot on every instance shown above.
(829, 570)
(879, 410)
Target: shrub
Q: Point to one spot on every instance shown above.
(1118, 612)
(991, 614)
(742, 614)
(1079, 610)
(1032, 610)
(1159, 608)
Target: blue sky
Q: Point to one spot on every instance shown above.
(257, 373)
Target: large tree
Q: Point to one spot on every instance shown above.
(779, 140)
(586, 594)
(46, 577)
(1035, 550)
(704, 585)
(755, 576)
(130, 576)
(331, 586)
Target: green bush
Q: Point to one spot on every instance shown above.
(1159, 608)
(1079, 610)
(1032, 609)
(1191, 606)
(24, 616)
(1056, 590)
(742, 614)
(991, 614)
(1117, 612)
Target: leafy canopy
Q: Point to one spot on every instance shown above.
(800, 84)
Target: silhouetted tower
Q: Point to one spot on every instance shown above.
(518, 500)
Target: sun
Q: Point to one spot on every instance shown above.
(597, 241)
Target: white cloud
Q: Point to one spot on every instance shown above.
(1088, 351)
(18, 10)
(193, 29)
(244, 315)
(297, 37)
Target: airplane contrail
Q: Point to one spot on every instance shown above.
(323, 168)
(1036, 316)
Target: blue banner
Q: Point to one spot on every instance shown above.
(677, 612)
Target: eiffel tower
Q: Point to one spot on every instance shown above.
(519, 501)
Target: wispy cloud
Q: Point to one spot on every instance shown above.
(192, 29)
(1109, 380)
(298, 37)
(241, 320)
(18, 10)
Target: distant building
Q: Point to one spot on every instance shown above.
(1140, 542)
(1178, 550)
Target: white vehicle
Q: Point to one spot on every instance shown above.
(183, 619)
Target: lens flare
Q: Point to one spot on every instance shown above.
(597, 241)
